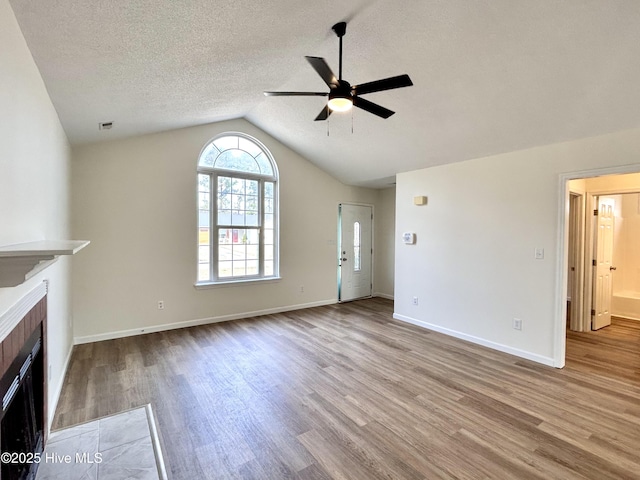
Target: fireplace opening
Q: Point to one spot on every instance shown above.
(21, 426)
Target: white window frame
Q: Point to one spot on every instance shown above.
(214, 173)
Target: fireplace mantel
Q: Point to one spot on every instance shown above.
(21, 261)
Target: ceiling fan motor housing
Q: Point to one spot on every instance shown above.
(342, 90)
(340, 97)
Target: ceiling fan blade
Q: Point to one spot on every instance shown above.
(384, 84)
(293, 94)
(372, 107)
(320, 66)
(324, 114)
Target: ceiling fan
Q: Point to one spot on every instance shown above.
(342, 95)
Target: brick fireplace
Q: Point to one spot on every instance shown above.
(23, 390)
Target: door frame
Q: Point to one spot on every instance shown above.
(562, 257)
(590, 244)
(577, 249)
(339, 246)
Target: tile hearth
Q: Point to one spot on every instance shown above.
(116, 447)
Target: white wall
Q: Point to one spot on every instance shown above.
(135, 200)
(473, 267)
(34, 183)
(384, 242)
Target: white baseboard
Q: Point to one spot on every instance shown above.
(477, 340)
(383, 295)
(53, 405)
(625, 316)
(193, 323)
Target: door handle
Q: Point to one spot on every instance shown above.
(612, 268)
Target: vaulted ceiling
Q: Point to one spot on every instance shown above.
(490, 76)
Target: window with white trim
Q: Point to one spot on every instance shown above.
(237, 211)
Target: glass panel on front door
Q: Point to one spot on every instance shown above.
(356, 247)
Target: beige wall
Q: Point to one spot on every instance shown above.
(612, 183)
(473, 266)
(135, 200)
(34, 183)
(626, 256)
(627, 253)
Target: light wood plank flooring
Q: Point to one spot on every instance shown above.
(346, 392)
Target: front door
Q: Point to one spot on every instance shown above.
(355, 254)
(604, 268)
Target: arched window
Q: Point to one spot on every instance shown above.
(237, 210)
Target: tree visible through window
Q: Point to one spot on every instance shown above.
(237, 211)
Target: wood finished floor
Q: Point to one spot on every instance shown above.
(346, 392)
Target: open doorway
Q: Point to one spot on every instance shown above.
(600, 260)
(617, 271)
(579, 192)
(625, 301)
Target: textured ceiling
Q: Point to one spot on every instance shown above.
(489, 76)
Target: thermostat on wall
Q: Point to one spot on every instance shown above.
(409, 238)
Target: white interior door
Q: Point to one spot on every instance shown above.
(354, 262)
(604, 255)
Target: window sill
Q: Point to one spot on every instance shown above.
(233, 283)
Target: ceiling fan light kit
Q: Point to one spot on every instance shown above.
(340, 104)
(342, 95)
(340, 98)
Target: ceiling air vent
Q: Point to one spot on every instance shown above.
(105, 125)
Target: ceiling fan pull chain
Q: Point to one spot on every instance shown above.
(327, 127)
(351, 121)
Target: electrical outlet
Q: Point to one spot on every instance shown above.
(160, 304)
(517, 324)
(415, 300)
(539, 253)
(301, 288)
